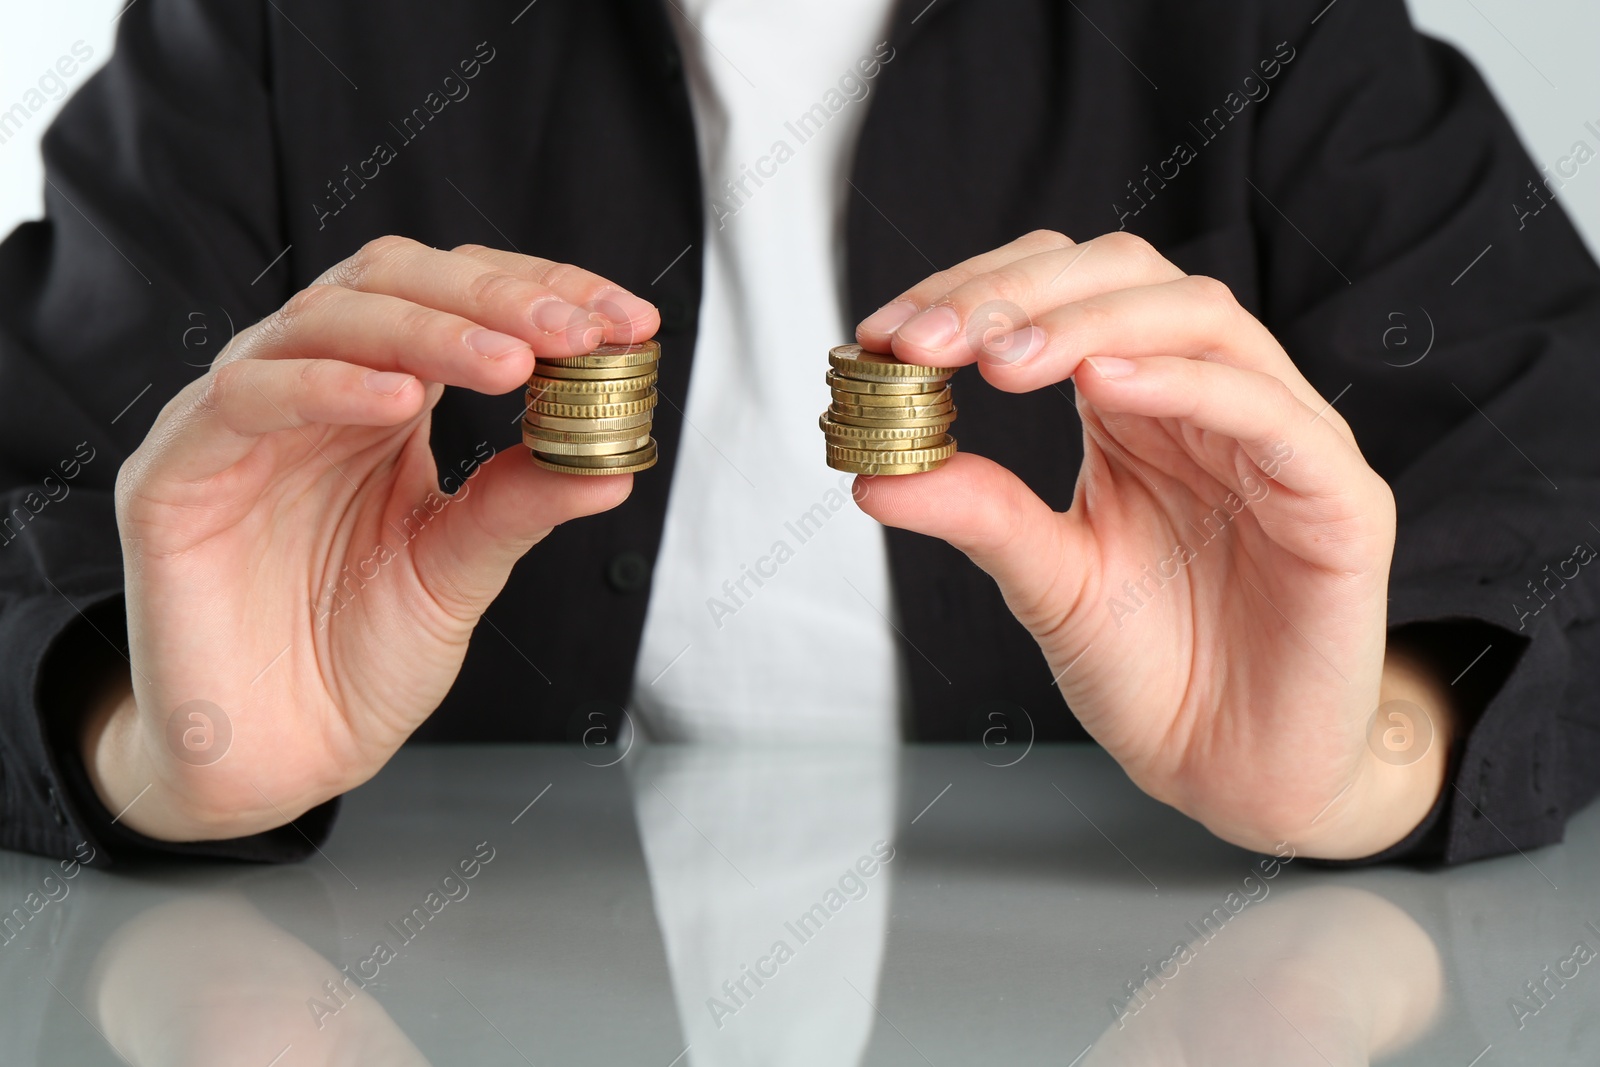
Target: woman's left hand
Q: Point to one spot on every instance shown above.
(1213, 603)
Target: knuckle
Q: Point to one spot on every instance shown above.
(497, 287)
(1281, 397)
(469, 249)
(565, 275)
(383, 249)
(1213, 294)
(1124, 244)
(1010, 284)
(419, 325)
(1093, 316)
(357, 271)
(308, 379)
(125, 488)
(302, 306)
(216, 388)
(932, 288)
(1047, 239)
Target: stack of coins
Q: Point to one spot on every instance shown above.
(887, 417)
(591, 414)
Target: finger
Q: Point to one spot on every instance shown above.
(1282, 437)
(216, 420)
(1194, 317)
(875, 330)
(505, 507)
(541, 303)
(625, 318)
(1007, 298)
(1037, 556)
(386, 333)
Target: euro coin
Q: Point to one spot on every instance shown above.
(593, 411)
(585, 425)
(883, 467)
(540, 382)
(567, 448)
(853, 362)
(937, 454)
(913, 388)
(608, 357)
(624, 463)
(874, 400)
(851, 415)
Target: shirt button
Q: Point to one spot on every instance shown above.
(628, 572)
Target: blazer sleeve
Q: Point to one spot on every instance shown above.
(1421, 271)
(161, 213)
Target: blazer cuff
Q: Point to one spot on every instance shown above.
(61, 650)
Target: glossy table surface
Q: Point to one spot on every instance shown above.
(685, 906)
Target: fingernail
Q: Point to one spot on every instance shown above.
(1110, 366)
(491, 345)
(619, 308)
(888, 318)
(555, 316)
(386, 382)
(1016, 347)
(933, 329)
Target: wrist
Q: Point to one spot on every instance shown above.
(132, 780)
(1402, 767)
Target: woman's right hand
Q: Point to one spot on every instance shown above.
(295, 579)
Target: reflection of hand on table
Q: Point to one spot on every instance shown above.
(207, 981)
(1324, 977)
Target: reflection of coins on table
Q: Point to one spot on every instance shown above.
(887, 417)
(592, 413)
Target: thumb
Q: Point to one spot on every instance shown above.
(1038, 557)
(506, 507)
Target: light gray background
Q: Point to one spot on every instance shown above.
(1541, 56)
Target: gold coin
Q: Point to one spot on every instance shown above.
(852, 362)
(908, 444)
(616, 459)
(552, 396)
(626, 463)
(581, 437)
(886, 433)
(856, 385)
(876, 468)
(585, 425)
(879, 431)
(917, 455)
(608, 357)
(593, 411)
(908, 401)
(592, 385)
(594, 374)
(855, 415)
(943, 421)
(567, 448)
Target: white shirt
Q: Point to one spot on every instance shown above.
(769, 611)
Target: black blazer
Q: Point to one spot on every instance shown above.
(1353, 182)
